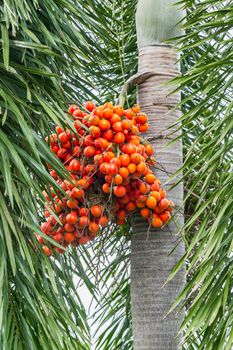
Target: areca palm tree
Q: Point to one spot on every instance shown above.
(205, 63)
(152, 258)
(60, 51)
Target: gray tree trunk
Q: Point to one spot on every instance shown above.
(151, 262)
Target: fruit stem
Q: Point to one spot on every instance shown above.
(118, 150)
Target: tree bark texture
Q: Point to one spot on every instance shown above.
(151, 261)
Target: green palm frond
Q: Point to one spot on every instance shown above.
(207, 122)
(39, 45)
(113, 314)
(49, 58)
(36, 314)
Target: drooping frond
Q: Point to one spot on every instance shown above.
(113, 314)
(52, 53)
(39, 61)
(207, 123)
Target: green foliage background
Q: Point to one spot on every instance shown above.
(54, 52)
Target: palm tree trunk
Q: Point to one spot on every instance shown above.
(151, 262)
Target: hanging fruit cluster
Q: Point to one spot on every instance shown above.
(110, 176)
